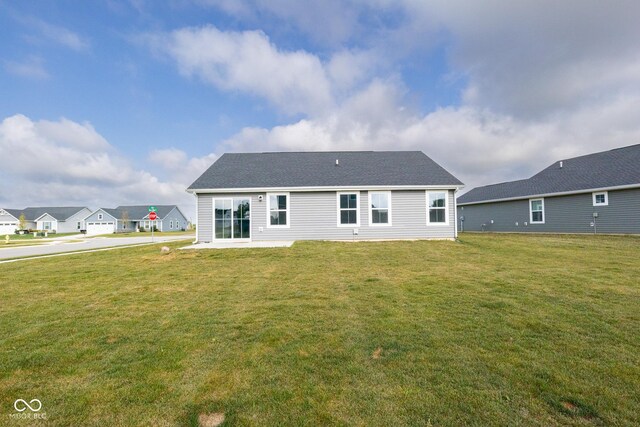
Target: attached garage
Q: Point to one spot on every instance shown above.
(104, 227)
(8, 228)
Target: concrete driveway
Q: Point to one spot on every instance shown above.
(62, 245)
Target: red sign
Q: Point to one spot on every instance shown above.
(152, 216)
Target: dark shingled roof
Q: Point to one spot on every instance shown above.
(612, 168)
(137, 213)
(318, 169)
(59, 213)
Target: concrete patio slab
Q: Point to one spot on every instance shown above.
(240, 245)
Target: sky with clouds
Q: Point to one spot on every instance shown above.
(127, 102)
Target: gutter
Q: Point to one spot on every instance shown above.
(561, 193)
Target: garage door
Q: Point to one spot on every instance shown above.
(100, 227)
(8, 227)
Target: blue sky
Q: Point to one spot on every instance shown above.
(117, 102)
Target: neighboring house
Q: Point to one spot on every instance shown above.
(594, 193)
(8, 223)
(124, 219)
(325, 196)
(66, 219)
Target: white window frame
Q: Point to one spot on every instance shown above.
(171, 225)
(544, 214)
(338, 210)
(446, 208)
(288, 210)
(232, 239)
(78, 225)
(379, 224)
(598, 193)
(100, 217)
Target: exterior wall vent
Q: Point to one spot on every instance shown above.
(561, 164)
(337, 162)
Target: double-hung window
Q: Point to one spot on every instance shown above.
(348, 209)
(536, 211)
(278, 210)
(437, 209)
(380, 207)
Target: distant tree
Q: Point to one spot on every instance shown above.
(22, 222)
(125, 219)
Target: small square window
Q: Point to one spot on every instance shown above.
(601, 198)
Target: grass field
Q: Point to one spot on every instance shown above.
(494, 330)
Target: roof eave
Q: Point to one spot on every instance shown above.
(323, 188)
(560, 193)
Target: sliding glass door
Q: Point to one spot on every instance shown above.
(232, 218)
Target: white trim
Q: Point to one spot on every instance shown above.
(198, 225)
(371, 223)
(288, 224)
(446, 208)
(455, 215)
(597, 193)
(544, 214)
(213, 219)
(322, 188)
(562, 193)
(358, 207)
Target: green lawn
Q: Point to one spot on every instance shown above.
(494, 330)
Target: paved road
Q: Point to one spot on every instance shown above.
(60, 245)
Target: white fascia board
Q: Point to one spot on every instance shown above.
(325, 188)
(561, 193)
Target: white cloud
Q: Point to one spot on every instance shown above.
(477, 145)
(329, 22)
(59, 35)
(295, 82)
(32, 67)
(65, 162)
(179, 166)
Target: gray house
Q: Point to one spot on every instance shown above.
(596, 193)
(125, 219)
(66, 219)
(325, 196)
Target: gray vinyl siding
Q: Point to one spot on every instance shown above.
(6, 218)
(314, 216)
(174, 215)
(204, 208)
(94, 217)
(70, 225)
(563, 214)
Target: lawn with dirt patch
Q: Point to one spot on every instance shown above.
(494, 330)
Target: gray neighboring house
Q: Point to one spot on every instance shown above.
(65, 219)
(125, 219)
(596, 193)
(348, 195)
